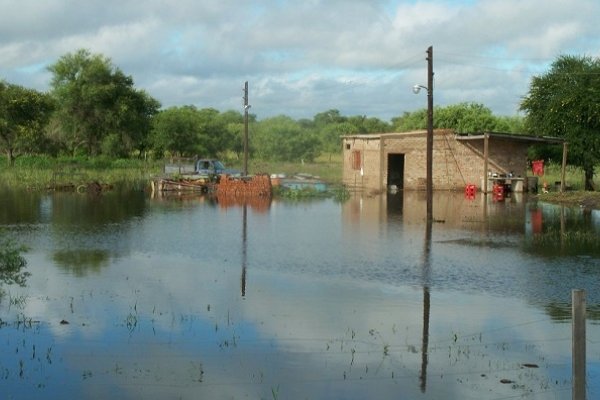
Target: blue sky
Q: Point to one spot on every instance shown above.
(361, 57)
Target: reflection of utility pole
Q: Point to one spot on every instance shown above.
(246, 107)
(244, 247)
(426, 306)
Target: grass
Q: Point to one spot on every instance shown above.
(40, 172)
(327, 167)
(574, 181)
(574, 176)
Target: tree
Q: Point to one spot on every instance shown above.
(462, 118)
(23, 114)
(176, 130)
(283, 139)
(465, 118)
(96, 99)
(134, 112)
(564, 103)
(331, 135)
(410, 121)
(231, 136)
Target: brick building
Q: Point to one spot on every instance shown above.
(381, 161)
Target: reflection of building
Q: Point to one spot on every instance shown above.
(379, 161)
(452, 210)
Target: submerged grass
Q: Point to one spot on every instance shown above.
(570, 243)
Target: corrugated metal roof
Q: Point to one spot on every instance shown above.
(461, 136)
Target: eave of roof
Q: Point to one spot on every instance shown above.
(508, 136)
(461, 136)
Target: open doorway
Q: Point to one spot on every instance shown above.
(395, 172)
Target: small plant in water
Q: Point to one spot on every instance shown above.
(131, 322)
(275, 392)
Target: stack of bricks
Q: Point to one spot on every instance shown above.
(256, 186)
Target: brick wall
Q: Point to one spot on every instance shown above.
(456, 163)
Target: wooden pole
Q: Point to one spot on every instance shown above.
(564, 167)
(430, 133)
(486, 155)
(578, 324)
(246, 107)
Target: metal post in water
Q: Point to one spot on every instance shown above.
(578, 323)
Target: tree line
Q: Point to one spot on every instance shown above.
(93, 108)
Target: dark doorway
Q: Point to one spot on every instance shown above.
(395, 173)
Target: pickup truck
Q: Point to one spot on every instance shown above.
(201, 167)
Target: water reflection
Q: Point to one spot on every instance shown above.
(426, 303)
(12, 263)
(244, 248)
(82, 261)
(353, 300)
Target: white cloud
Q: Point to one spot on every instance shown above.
(301, 58)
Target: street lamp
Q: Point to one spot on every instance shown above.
(416, 89)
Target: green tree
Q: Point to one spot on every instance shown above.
(465, 118)
(328, 117)
(283, 139)
(331, 135)
(134, 111)
(96, 99)
(564, 103)
(23, 115)
(410, 121)
(231, 134)
(176, 130)
(462, 118)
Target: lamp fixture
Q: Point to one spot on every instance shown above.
(417, 88)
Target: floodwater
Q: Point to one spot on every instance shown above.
(134, 297)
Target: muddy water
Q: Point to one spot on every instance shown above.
(133, 297)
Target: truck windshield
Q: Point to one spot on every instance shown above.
(218, 165)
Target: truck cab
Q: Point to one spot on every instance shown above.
(205, 166)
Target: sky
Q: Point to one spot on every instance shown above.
(300, 58)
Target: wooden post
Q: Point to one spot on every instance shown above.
(246, 107)
(578, 324)
(382, 163)
(429, 133)
(564, 167)
(485, 162)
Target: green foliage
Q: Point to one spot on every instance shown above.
(176, 130)
(462, 118)
(187, 131)
(564, 103)
(465, 118)
(23, 115)
(281, 138)
(96, 99)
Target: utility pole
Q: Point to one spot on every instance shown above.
(430, 133)
(246, 107)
